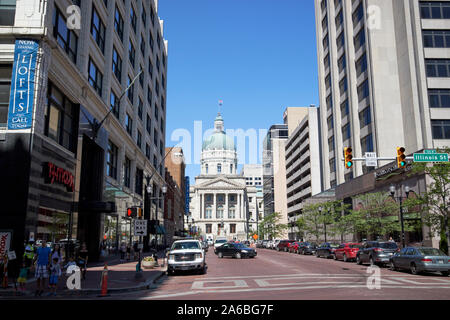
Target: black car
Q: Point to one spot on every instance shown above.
(307, 248)
(376, 252)
(326, 250)
(236, 250)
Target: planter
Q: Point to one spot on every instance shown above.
(148, 264)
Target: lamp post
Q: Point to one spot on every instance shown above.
(400, 198)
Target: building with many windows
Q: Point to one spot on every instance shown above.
(83, 145)
(253, 174)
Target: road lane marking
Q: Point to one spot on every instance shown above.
(199, 285)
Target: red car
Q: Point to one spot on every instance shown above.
(283, 245)
(294, 246)
(347, 251)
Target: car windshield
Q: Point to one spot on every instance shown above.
(221, 241)
(431, 252)
(240, 246)
(185, 245)
(387, 245)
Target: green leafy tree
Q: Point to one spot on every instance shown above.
(435, 201)
(58, 225)
(311, 222)
(271, 227)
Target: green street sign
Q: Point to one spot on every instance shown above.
(429, 151)
(430, 157)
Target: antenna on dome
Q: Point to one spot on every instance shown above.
(220, 105)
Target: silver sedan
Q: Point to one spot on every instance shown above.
(421, 259)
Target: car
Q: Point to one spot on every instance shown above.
(236, 250)
(186, 255)
(376, 252)
(275, 244)
(246, 242)
(205, 246)
(219, 241)
(269, 244)
(326, 250)
(307, 248)
(347, 251)
(421, 259)
(263, 244)
(283, 245)
(293, 247)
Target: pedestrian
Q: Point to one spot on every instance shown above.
(136, 250)
(71, 262)
(55, 273)
(83, 259)
(42, 260)
(128, 252)
(56, 253)
(23, 275)
(123, 251)
(391, 240)
(28, 255)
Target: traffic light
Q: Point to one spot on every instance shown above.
(132, 212)
(139, 212)
(348, 157)
(401, 158)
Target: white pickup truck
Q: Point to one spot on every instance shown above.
(186, 255)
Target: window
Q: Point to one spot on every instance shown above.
(360, 39)
(325, 42)
(157, 63)
(367, 144)
(364, 117)
(133, 18)
(155, 137)
(358, 14)
(127, 172)
(208, 228)
(231, 168)
(440, 129)
(139, 139)
(219, 168)
(95, 77)
(131, 53)
(206, 168)
(111, 160)
(436, 38)
(144, 16)
(348, 176)
(118, 24)
(140, 108)
(331, 144)
(130, 92)
(151, 42)
(5, 88)
(340, 42)
(363, 90)
(208, 213)
(139, 181)
(438, 68)
(328, 82)
(361, 65)
(342, 63)
(147, 151)
(345, 110)
(67, 39)
(326, 61)
(129, 124)
(439, 98)
(332, 163)
(7, 12)
(61, 119)
(325, 24)
(158, 39)
(157, 88)
(339, 19)
(150, 69)
(152, 15)
(329, 102)
(142, 45)
(219, 212)
(343, 86)
(117, 65)
(98, 30)
(156, 113)
(232, 228)
(149, 125)
(435, 10)
(149, 96)
(141, 78)
(346, 132)
(330, 122)
(115, 105)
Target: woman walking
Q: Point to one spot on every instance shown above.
(83, 259)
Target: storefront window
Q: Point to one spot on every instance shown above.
(5, 85)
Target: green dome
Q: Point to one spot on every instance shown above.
(219, 141)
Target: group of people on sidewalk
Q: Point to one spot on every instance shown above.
(127, 252)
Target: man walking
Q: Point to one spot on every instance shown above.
(42, 263)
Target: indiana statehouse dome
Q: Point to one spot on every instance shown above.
(219, 140)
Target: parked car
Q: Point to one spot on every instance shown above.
(236, 250)
(293, 247)
(421, 259)
(376, 252)
(219, 241)
(186, 255)
(274, 244)
(326, 250)
(347, 251)
(264, 243)
(268, 244)
(307, 248)
(283, 245)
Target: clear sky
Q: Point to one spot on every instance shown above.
(258, 56)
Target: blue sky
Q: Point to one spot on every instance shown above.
(259, 56)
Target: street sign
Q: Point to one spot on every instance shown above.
(255, 236)
(430, 157)
(140, 228)
(429, 151)
(371, 159)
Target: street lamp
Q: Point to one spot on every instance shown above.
(400, 198)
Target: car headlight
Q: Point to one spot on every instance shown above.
(244, 251)
(198, 256)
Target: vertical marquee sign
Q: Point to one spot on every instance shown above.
(187, 195)
(21, 99)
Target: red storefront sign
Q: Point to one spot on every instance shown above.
(54, 174)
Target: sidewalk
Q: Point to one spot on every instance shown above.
(121, 278)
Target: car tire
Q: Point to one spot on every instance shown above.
(358, 260)
(204, 270)
(238, 255)
(445, 273)
(220, 255)
(317, 255)
(413, 269)
(344, 257)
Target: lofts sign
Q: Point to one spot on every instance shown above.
(21, 99)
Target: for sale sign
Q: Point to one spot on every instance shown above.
(5, 242)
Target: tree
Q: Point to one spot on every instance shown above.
(58, 225)
(271, 227)
(435, 201)
(311, 221)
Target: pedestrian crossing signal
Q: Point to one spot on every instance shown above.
(139, 212)
(132, 212)
(348, 157)
(401, 158)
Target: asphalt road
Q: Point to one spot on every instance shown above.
(276, 275)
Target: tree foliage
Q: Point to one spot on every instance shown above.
(270, 226)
